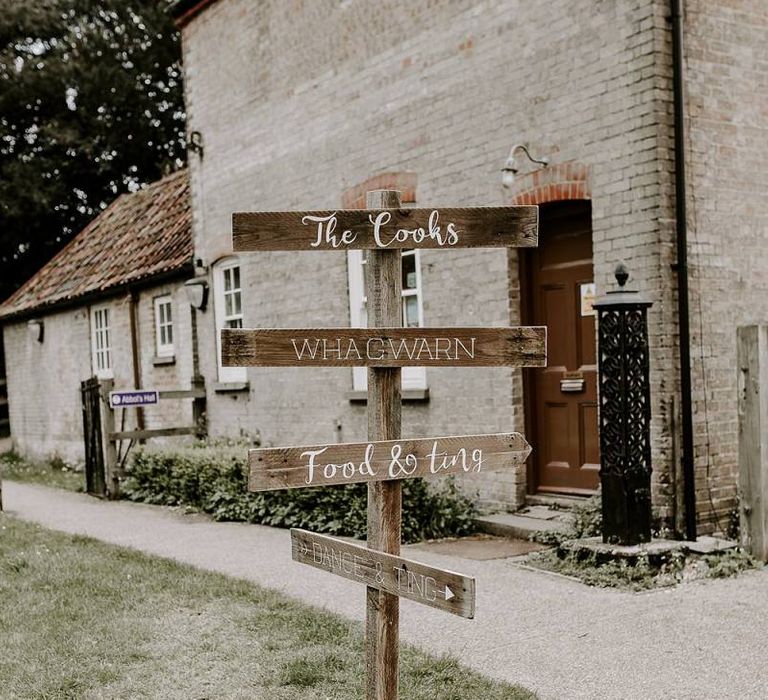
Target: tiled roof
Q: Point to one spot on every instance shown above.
(137, 237)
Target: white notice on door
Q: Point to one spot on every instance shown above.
(587, 293)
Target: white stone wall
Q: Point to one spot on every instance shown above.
(44, 378)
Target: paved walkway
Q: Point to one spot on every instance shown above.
(705, 640)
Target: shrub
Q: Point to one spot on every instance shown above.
(213, 480)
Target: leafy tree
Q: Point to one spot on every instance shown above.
(91, 105)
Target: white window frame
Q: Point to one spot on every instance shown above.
(164, 347)
(412, 377)
(227, 375)
(101, 342)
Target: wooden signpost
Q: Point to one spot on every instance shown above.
(355, 462)
(384, 229)
(445, 590)
(385, 347)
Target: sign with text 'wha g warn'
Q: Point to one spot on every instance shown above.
(445, 590)
(385, 229)
(516, 346)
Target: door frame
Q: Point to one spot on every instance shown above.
(525, 276)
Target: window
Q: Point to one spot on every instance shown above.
(413, 377)
(229, 312)
(101, 342)
(164, 326)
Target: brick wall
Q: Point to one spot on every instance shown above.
(726, 58)
(297, 107)
(44, 378)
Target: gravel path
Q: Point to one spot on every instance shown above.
(704, 640)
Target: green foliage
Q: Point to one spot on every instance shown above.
(728, 563)
(54, 472)
(636, 575)
(213, 480)
(586, 521)
(91, 106)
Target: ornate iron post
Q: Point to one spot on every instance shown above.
(625, 414)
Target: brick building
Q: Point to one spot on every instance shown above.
(112, 303)
(305, 105)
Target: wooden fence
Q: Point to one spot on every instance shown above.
(753, 438)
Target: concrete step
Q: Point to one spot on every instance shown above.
(557, 500)
(522, 525)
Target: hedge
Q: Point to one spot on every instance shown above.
(212, 479)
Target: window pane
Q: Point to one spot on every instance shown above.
(409, 271)
(169, 334)
(411, 312)
(228, 306)
(236, 305)
(236, 277)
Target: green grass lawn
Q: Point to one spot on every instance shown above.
(51, 473)
(82, 619)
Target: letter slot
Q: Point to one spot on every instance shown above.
(571, 385)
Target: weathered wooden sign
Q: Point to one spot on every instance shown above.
(355, 462)
(516, 346)
(344, 229)
(384, 228)
(445, 590)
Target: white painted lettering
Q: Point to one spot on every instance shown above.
(406, 467)
(311, 463)
(352, 351)
(330, 349)
(368, 349)
(326, 225)
(305, 348)
(382, 218)
(468, 352)
(424, 346)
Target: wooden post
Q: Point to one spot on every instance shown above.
(198, 408)
(384, 305)
(110, 447)
(753, 438)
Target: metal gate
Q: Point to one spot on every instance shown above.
(95, 482)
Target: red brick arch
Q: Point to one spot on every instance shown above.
(354, 197)
(554, 183)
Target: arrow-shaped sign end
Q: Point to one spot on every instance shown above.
(449, 593)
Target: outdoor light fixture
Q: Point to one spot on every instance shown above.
(195, 143)
(36, 328)
(197, 292)
(511, 168)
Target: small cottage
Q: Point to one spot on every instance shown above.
(112, 304)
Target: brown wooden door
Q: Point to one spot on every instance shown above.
(562, 397)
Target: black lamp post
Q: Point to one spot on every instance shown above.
(625, 414)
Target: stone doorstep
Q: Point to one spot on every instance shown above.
(655, 549)
(522, 525)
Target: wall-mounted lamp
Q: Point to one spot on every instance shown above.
(36, 329)
(197, 292)
(195, 143)
(511, 167)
